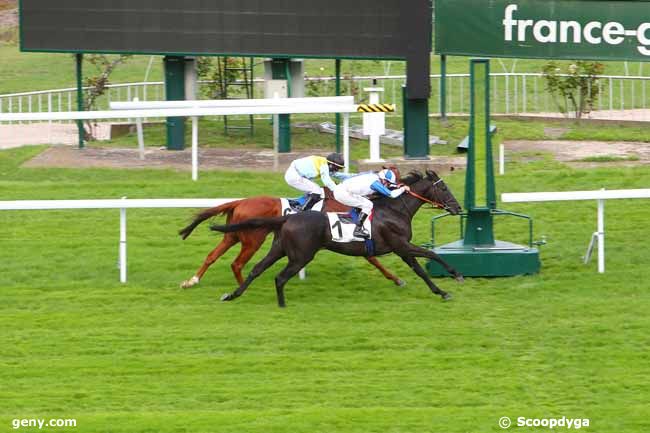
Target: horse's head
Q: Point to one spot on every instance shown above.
(432, 187)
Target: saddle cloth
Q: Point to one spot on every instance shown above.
(290, 206)
(342, 225)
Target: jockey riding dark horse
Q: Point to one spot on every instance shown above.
(301, 236)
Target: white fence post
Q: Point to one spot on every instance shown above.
(195, 148)
(122, 204)
(601, 235)
(599, 195)
(346, 142)
(502, 160)
(138, 126)
(123, 244)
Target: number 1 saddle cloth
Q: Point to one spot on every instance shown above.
(342, 225)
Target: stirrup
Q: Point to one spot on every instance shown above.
(360, 232)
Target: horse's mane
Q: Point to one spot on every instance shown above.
(415, 176)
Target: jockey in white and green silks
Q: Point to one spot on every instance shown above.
(301, 172)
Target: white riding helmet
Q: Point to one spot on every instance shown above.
(388, 175)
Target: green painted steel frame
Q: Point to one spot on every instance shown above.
(478, 253)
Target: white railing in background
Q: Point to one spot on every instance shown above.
(600, 195)
(193, 109)
(511, 93)
(121, 204)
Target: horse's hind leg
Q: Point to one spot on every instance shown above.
(250, 243)
(398, 281)
(226, 243)
(275, 254)
(292, 268)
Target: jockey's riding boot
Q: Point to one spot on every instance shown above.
(312, 199)
(359, 230)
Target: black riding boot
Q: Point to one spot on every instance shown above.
(311, 201)
(359, 230)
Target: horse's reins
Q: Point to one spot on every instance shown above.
(426, 200)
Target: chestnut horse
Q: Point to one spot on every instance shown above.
(301, 236)
(251, 241)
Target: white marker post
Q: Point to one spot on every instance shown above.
(374, 125)
(138, 125)
(346, 142)
(195, 148)
(502, 160)
(123, 244)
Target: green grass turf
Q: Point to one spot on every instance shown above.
(351, 353)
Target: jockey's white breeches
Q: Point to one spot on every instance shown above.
(301, 183)
(342, 195)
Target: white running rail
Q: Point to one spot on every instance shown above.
(599, 195)
(196, 109)
(121, 204)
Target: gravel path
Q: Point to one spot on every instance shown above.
(26, 134)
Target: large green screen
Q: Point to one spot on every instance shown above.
(561, 29)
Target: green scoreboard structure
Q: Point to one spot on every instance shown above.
(333, 29)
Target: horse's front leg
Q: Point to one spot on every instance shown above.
(419, 270)
(416, 251)
(398, 281)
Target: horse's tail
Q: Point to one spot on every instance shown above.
(209, 213)
(251, 224)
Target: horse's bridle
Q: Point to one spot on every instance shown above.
(426, 200)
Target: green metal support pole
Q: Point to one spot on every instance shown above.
(337, 66)
(280, 71)
(443, 87)
(175, 91)
(80, 97)
(416, 127)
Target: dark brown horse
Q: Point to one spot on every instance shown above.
(299, 237)
(251, 241)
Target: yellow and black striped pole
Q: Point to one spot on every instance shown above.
(376, 108)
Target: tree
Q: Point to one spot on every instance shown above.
(576, 90)
(96, 85)
(218, 73)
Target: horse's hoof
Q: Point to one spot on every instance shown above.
(460, 278)
(226, 297)
(447, 297)
(190, 283)
(400, 283)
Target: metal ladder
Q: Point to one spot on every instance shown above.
(237, 83)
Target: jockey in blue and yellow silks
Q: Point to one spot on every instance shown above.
(301, 172)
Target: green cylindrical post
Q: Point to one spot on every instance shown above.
(175, 91)
(280, 71)
(337, 66)
(416, 127)
(80, 97)
(443, 87)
